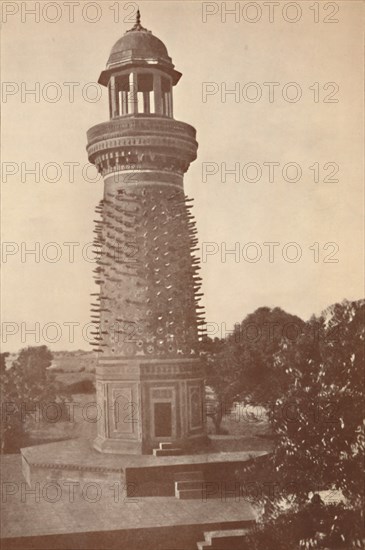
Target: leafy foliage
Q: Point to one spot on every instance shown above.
(242, 367)
(319, 426)
(314, 526)
(323, 433)
(26, 386)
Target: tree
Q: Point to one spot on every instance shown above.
(220, 377)
(242, 367)
(3, 357)
(28, 384)
(326, 371)
(320, 433)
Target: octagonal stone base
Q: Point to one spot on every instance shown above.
(144, 402)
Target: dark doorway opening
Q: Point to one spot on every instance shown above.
(163, 419)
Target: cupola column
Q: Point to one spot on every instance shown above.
(113, 98)
(171, 105)
(133, 98)
(146, 102)
(157, 92)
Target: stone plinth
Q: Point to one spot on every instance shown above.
(73, 459)
(111, 521)
(77, 460)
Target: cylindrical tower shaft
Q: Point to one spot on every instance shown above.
(147, 313)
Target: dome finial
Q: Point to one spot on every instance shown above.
(137, 26)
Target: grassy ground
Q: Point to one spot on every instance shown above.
(77, 421)
(244, 431)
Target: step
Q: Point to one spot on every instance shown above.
(230, 543)
(181, 486)
(194, 484)
(196, 494)
(189, 476)
(225, 539)
(224, 533)
(166, 445)
(167, 452)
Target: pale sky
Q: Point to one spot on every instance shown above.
(310, 132)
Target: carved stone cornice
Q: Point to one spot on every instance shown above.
(74, 466)
(152, 369)
(140, 124)
(142, 142)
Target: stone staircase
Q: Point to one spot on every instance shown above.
(189, 485)
(225, 539)
(167, 449)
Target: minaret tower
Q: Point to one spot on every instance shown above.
(150, 385)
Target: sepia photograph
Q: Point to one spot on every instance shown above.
(182, 275)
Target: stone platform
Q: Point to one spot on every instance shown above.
(143, 475)
(39, 518)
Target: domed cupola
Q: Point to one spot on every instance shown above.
(139, 74)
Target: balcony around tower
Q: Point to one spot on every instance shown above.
(137, 142)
